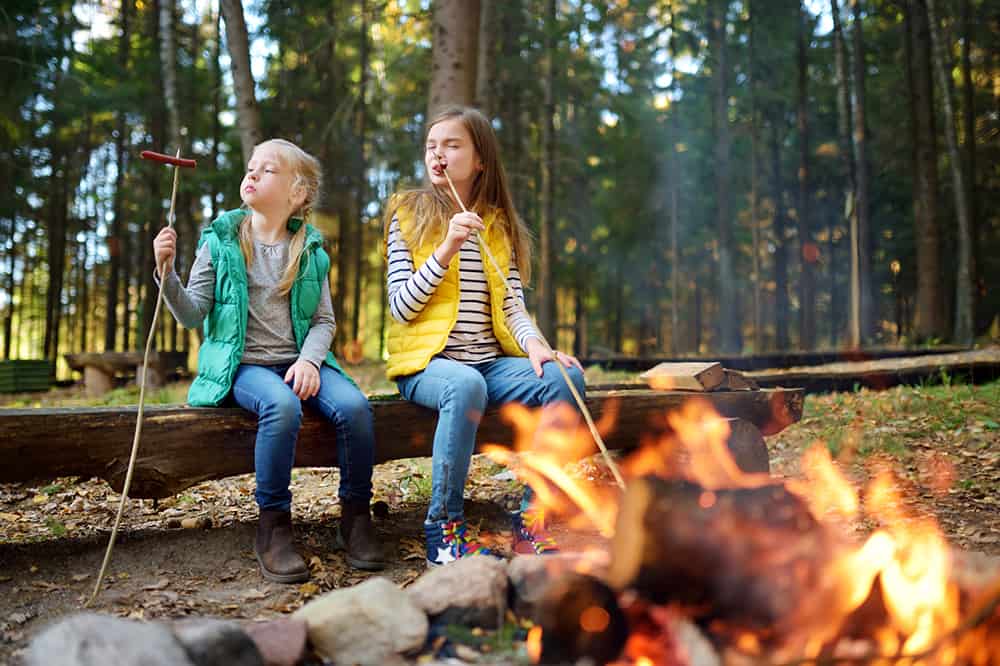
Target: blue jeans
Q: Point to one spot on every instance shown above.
(460, 393)
(261, 389)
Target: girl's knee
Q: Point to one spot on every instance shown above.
(559, 389)
(285, 408)
(466, 388)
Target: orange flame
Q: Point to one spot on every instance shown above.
(906, 564)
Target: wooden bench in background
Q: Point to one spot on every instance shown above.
(100, 368)
(182, 445)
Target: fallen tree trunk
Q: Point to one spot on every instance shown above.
(182, 446)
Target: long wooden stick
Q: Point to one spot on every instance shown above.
(517, 302)
(142, 400)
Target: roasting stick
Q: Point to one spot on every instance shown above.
(510, 290)
(177, 163)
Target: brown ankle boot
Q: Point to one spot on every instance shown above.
(277, 557)
(357, 536)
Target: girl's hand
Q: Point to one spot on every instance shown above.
(539, 354)
(164, 249)
(304, 378)
(460, 227)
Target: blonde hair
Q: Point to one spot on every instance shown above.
(308, 174)
(432, 208)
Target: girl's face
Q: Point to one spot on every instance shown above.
(452, 143)
(267, 184)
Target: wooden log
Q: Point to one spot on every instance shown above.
(684, 376)
(745, 557)
(182, 446)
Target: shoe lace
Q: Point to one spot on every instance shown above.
(454, 534)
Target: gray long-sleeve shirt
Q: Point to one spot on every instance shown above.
(270, 338)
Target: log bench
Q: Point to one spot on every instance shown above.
(182, 446)
(100, 368)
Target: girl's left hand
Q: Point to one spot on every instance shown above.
(539, 354)
(304, 378)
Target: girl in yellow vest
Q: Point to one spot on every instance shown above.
(459, 342)
(260, 284)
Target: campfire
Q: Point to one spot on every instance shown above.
(770, 570)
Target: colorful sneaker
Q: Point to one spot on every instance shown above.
(530, 535)
(447, 541)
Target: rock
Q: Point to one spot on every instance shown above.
(530, 574)
(211, 642)
(90, 639)
(471, 591)
(370, 623)
(280, 642)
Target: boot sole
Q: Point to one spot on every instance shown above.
(282, 578)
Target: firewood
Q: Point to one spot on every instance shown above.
(685, 376)
(744, 557)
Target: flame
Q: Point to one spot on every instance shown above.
(533, 644)
(904, 565)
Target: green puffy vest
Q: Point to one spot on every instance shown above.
(226, 325)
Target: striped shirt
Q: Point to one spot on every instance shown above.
(471, 339)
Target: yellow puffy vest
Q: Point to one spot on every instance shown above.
(413, 345)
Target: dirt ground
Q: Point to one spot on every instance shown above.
(169, 564)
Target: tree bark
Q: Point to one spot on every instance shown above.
(969, 125)
(238, 42)
(545, 286)
(964, 309)
(8, 323)
(844, 124)
(930, 320)
(862, 169)
(362, 177)
(116, 239)
(807, 247)
(486, 60)
(758, 319)
(781, 300)
(453, 64)
(729, 314)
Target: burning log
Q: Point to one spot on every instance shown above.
(744, 557)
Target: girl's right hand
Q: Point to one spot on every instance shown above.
(460, 227)
(164, 249)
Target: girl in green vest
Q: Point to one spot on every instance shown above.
(260, 285)
(459, 341)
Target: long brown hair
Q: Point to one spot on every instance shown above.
(308, 174)
(432, 207)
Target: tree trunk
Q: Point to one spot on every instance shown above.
(844, 123)
(247, 114)
(964, 310)
(969, 125)
(362, 190)
(729, 314)
(674, 175)
(867, 303)
(8, 323)
(116, 239)
(758, 319)
(807, 247)
(545, 286)
(453, 64)
(930, 320)
(56, 254)
(486, 60)
(781, 301)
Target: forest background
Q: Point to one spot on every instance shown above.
(701, 176)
